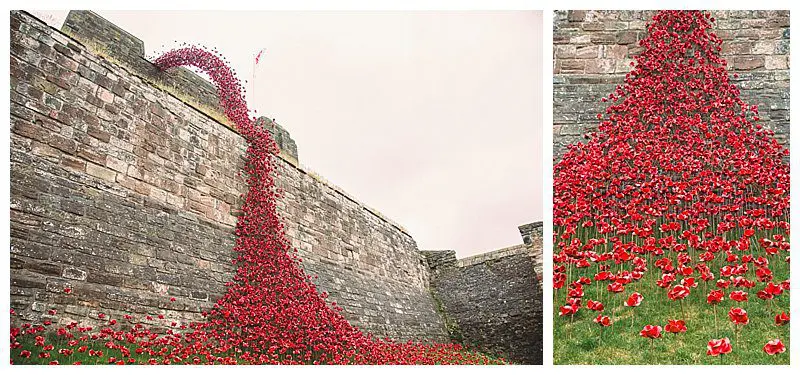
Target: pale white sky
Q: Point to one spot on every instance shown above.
(432, 118)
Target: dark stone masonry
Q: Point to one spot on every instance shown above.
(592, 51)
(492, 301)
(124, 187)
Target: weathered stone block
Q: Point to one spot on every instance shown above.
(588, 52)
(748, 62)
(73, 274)
(101, 172)
(776, 62)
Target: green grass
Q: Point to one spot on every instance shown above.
(578, 340)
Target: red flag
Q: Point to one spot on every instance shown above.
(258, 57)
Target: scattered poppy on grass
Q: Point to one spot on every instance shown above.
(594, 305)
(602, 276)
(603, 320)
(575, 292)
(651, 332)
(634, 300)
(782, 319)
(739, 295)
(675, 326)
(773, 289)
(666, 280)
(679, 292)
(569, 310)
(616, 287)
(738, 316)
(715, 297)
(689, 282)
(774, 347)
(718, 347)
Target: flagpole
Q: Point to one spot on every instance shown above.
(253, 85)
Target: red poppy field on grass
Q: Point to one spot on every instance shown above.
(272, 313)
(671, 223)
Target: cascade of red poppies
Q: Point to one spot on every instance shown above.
(272, 308)
(678, 150)
(679, 176)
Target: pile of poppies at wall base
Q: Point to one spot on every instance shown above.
(671, 223)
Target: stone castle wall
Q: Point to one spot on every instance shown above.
(126, 190)
(592, 51)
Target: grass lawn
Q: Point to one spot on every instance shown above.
(578, 340)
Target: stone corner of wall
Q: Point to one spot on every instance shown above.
(439, 259)
(531, 232)
(287, 145)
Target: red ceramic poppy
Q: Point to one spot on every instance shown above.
(651, 332)
(594, 305)
(602, 320)
(738, 316)
(568, 310)
(616, 287)
(763, 294)
(782, 319)
(558, 280)
(675, 326)
(602, 276)
(774, 347)
(576, 293)
(666, 280)
(718, 347)
(722, 283)
(679, 292)
(715, 297)
(764, 274)
(689, 282)
(634, 300)
(773, 289)
(739, 295)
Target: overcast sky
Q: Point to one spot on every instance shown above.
(432, 118)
